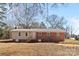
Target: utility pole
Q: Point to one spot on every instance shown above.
(71, 31)
(47, 12)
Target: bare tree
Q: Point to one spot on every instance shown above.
(42, 25)
(29, 12)
(34, 24)
(67, 31)
(25, 13)
(56, 22)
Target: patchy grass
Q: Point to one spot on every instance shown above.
(66, 48)
(37, 49)
(70, 41)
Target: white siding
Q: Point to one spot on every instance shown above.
(33, 35)
(30, 35)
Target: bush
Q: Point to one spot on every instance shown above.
(4, 33)
(76, 38)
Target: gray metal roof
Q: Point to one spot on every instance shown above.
(38, 30)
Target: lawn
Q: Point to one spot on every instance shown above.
(39, 49)
(70, 41)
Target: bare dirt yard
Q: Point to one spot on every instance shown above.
(40, 49)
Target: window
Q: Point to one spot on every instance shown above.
(26, 33)
(19, 34)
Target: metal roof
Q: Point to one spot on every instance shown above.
(38, 30)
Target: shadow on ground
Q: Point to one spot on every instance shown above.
(32, 41)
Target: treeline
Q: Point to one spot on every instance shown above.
(33, 15)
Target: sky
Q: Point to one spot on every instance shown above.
(70, 12)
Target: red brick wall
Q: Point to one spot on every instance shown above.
(44, 36)
(57, 38)
(38, 35)
(53, 36)
(62, 36)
